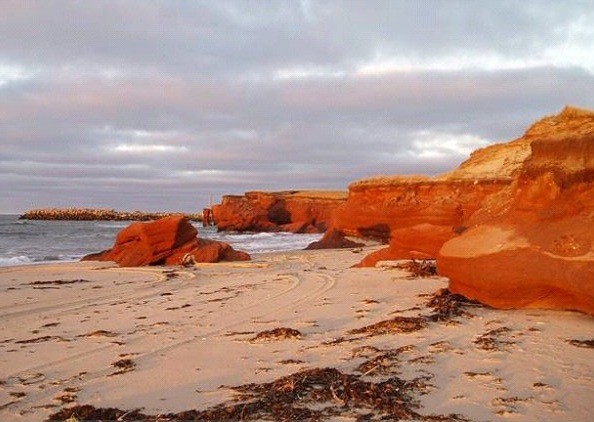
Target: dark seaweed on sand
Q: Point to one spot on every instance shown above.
(493, 340)
(57, 282)
(320, 393)
(394, 325)
(314, 394)
(588, 344)
(447, 305)
(424, 268)
(277, 334)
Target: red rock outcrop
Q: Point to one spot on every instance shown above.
(334, 239)
(292, 211)
(168, 241)
(532, 245)
(416, 215)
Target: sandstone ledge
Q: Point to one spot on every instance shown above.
(289, 211)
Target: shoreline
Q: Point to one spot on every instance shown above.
(164, 340)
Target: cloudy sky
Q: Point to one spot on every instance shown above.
(162, 105)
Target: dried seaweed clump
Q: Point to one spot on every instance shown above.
(447, 305)
(492, 340)
(91, 413)
(588, 344)
(424, 268)
(281, 333)
(395, 325)
(123, 366)
(326, 393)
(385, 362)
(314, 394)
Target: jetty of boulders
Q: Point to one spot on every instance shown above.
(89, 214)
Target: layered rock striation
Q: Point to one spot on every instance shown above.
(168, 241)
(513, 226)
(290, 211)
(532, 244)
(416, 215)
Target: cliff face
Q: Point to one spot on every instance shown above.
(417, 215)
(532, 245)
(513, 226)
(292, 211)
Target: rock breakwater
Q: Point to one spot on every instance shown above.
(91, 214)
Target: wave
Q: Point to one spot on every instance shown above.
(35, 242)
(266, 242)
(25, 260)
(15, 260)
(115, 225)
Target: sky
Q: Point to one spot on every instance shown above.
(168, 105)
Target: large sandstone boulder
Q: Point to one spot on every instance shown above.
(532, 245)
(290, 211)
(168, 241)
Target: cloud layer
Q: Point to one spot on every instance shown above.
(164, 105)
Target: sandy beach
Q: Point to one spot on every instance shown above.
(160, 341)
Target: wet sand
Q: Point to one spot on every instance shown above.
(167, 340)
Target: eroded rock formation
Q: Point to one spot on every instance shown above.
(416, 215)
(168, 241)
(291, 211)
(532, 244)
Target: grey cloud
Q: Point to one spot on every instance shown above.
(161, 105)
(233, 38)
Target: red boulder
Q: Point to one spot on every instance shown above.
(167, 241)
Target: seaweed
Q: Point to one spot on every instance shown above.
(491, 340)
(123, 366)
(313, 394)
(422, 269)
(447, 305)
(57, 282)
(280, 333)
(395, 325)
(588, 344)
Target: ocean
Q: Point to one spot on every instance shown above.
(25, 242)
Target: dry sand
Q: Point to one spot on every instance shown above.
(166, 339)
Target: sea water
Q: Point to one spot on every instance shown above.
(36, 241)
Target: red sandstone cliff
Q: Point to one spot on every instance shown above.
(292, 211)
(416, 215)
(532, 245)
(513, 226)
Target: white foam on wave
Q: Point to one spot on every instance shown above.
(38, 242)
(266, 242)
(15, 260)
